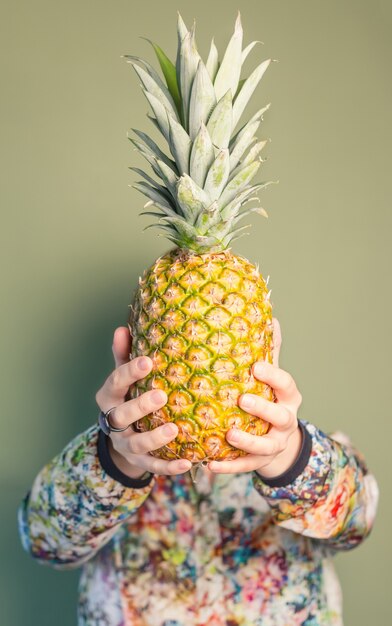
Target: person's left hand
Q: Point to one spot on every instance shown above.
(274, 453)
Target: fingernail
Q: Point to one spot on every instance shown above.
(259, 368)
(143, 363)
(247, 401)
(169, 429)
(185, 465)
(158, 396)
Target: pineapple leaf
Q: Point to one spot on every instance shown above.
(169, 71)
(232, 209)
(257, 116)
(259, 210)
(166, 227)
(180, 145)
(228, 240)
(189, 60)
(217, 175)
(158, 90)
(130, 58)
(144, 175)
(160, 113)
(229, 71)
(175, 240)
(182, 227)
(153, 213)
(154, 122)
(202, 99)
(191, 198)
(254, 151)
(182, 30)
(250, 158)
(206, 244)
(240, 85)
(154, 194)
(247, 90)
(244, 140)
(202, 156)
(212, 61)
(207, 218)
(238, 183)
(247, 50)
(155, 150)
(229, 212)
(169, 177)
(220, 123)
(203, 187)
(146, 153)
(226, 228)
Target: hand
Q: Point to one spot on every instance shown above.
(274, 453)
(129, 449)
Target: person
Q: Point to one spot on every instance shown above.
(250, 542)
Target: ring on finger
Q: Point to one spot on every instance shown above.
(105, 425)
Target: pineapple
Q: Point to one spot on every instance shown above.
(201, 313)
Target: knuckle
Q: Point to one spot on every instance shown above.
(155, 465)
(133, 445)
(172, 468)
(253, 447)
(115, 379)
(118, 445)
(288, 382)
(267, 409)
(275, 447)
(281, 447)
(285, 418)
(98, 397)
(261, 405)
(133, 369)
(143, 404)
(116, 418)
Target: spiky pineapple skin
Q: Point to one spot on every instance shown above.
(204, 320)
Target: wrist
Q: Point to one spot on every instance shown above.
(284, 460)
(132, 471)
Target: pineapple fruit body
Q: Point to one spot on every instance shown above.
(203, 319)
(201, 313)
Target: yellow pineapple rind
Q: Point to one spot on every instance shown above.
(203, 319)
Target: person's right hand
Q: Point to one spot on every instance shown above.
(129, 449)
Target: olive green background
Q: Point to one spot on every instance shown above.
(72, 243)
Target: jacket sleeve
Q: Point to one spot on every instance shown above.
(74, 507)
(328, 494)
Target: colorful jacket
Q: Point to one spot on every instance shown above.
(169, 552)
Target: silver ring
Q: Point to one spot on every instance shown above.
(105, 425)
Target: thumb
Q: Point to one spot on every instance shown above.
(277, 341)
(121, 345)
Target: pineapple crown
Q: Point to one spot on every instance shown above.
(205, 184)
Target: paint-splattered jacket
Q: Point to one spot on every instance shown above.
(167, 552)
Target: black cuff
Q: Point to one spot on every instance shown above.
(112, 470)
(299, 464)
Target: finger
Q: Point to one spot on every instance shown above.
(277, 414)
(281, 381)
(116, 386)
(121, 345)
(248, 463)
(277, 341)
(142, 443)
(132, 410)
(268, 445)
(160, 466)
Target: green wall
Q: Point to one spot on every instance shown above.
(72, 244)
